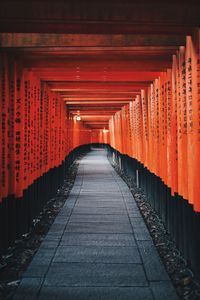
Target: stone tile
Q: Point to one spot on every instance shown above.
(140, 231)
(163, 290)
(100, 203)
(49, 244)
(131, 204)
(65, 211)
(43, 252)
(154, 268)
(133, 211)
(72, 196)
(43, 256)
(61, 220)
(139, 222)
(100, 210)
(99, 197)
(57, 228)
(96, 293)
(134, 214)
(96, 254)
(99, 218)
(94, 239)
(86, 274)
(28, 289)
(101, 227)
(37, 269)
(74, 192)
(69, 205)
(52, 237)
(101, 194)
(100, 190)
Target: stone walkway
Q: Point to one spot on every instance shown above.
(98, 247)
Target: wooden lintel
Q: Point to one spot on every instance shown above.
(90, 40)
(99, 16)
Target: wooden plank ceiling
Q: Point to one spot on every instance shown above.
(97, 55)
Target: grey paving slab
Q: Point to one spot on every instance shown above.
(98, 247)
(101, 227)
(134, 214)
(98, 239)
(100, 203)
(163, 290)
(140, 231)
(153, 266)
(99, 218)
(75, 191)
(62, 220)
(37, 270)
(52, 237)
(100, 188)
(96, 293)
(28, 289)
(100, 194)
(97, 200)
(96, 254)
(73, 195)
(87, 274)
(133, 210)
(65, 211)
(100, 197)
(138, 222)
(49, 244)
(57, 228)
(43, 256)
(130, 202)
(100, 210)
(106, 200)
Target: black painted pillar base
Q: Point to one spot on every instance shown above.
(176, 213)
(16, 214)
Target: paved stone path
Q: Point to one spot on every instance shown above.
(98, 247)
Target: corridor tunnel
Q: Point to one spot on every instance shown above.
(119, 75)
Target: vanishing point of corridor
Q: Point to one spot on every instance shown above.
(99, 246)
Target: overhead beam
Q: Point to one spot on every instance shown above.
(101, 99)
(113, 64)
(43, 54)
(61, 66)
(94, 112)
(100, 76)
(99, 16)
(94, 109)
(93, 27)
(96, 121)
(91, 40)
(97, 102)
(96, 85)
(95, 96)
